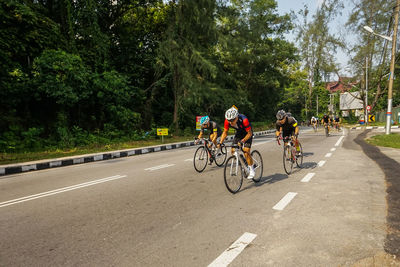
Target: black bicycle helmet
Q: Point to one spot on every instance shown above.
(280, 114)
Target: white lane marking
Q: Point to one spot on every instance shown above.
(308, 177)
(261, 143)
(321, 163)
(381, 127)
(358, 128)
(189, 159)
(333, 149)
(60, 190)
(159, 167)
(328, 155)
(233, 251)
(284, 201)
(340, 140)
(369, 127)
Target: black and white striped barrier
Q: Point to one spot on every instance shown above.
(53, 163)
(372, 127)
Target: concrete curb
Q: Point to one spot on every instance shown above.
(372, 127)
(79, 159)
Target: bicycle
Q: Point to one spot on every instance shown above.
(314, 125)
(291, 155)
(203, 152)
(236, 168)
(326, 129)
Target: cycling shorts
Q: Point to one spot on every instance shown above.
(237, 139)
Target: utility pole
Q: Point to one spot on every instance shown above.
(305, 103)
(366, 90)
(390, 90)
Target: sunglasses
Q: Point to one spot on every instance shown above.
(232, 120)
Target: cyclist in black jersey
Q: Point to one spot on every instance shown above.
(211, 126)
(287, 126)
(326, 121)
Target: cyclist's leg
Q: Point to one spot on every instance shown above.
(235, 141)
(246, 149)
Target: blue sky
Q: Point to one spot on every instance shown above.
(337, 26)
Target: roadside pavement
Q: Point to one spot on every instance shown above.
(388, 159)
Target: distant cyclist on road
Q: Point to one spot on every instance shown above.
(243, 136)
(314, 122)
(213, 128)
(326, 121)
(336, 122)
(287, 126)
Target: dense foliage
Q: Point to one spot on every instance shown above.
(76, 72)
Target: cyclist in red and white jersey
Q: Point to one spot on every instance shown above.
(243, 136)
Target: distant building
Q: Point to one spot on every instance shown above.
(348, 102)
(343, 85)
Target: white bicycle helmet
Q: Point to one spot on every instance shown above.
(231, 114)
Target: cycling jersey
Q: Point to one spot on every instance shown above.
(243, 126)
(325, 119)
(288, 127)
(212, 127)
(337, 120)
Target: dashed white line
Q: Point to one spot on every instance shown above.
(191, 159)
(321, 163)
(333, 149)
(340, 140)
(328, 155)
(159, 167)
(308, 177)
(60, 190)
(233, 251)
(284, 201)
(261, 143)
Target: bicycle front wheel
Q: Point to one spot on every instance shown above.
(258, 165)
(200, 159)
(220, 156)
(287, 160)
(299, 157)
(233, 175)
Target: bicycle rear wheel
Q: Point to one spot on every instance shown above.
(258, 165)
(287, 160)
(220, 156)
(200, 159)
(326, 131)
(299, 157)
(233, 175)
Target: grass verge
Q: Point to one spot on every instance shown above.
(390, 140)
(9, 158)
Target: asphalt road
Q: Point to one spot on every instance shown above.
(156, 210)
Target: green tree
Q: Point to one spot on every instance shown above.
(317, 45)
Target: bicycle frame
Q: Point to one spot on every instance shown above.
(240, 159)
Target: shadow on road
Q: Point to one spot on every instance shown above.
(307, 154)
(265, 180)
(309, 165)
